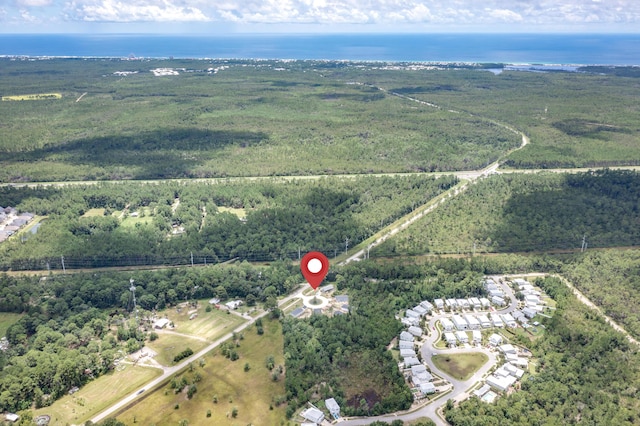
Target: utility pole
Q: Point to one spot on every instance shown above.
(584, 243)
(64, 270)
(474, 248)
(132, 288)
(298, 253)
(346, 245)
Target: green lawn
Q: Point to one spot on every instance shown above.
(251, 392)
(94, 212)
(97, 395)
(6, 320)
(167, 346)
(208, 325)
(460, 366)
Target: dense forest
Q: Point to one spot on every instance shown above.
(611, 279)
(249, 118)
(345, 356)
(587, 374)
(523, 213)
(177, 223)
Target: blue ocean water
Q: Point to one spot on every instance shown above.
(605, 49)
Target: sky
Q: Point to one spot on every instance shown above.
(309, 16)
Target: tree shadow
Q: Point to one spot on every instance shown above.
(163, 153)
(600, 208)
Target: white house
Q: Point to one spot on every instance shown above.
(475, 303)
(477, 336)
(495, 293)
(501, 383)
(474, 324)
(11, 417)
(484, 389)
(509, 321)
(403, 344)
(462, 303)
(420, 310)
(313, 415)
(407, 353)
(405, 335)
(427, 305)
(234, 304)
(497, 300)
(462, 336)
(495, 339)
(508, 349)
(410, 313)
(485, 302)
(410, 321)
(459, 322)
(484, 321)
(427, 388)
(439, 303)
(420, 374)
(333, 407)
(529, 312)
(415, 331)
(451, 304)
(161, 323)
(447, 325)
(410, 361)
(497, 322)
(531, 298)
(450, 338)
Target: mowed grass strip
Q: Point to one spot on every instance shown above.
(251, 392)
(460, 366)
(97, 395)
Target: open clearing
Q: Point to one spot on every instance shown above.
(207, 325)
(241, 213)
(97, 395)
(33, 97)
(6, 320)
(460, 366)
(251, 392)
(94, 213)
(167, 346)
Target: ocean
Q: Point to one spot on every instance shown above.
(602, 49)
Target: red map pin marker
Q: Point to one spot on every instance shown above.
(314, 266)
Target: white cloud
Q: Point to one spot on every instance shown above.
(137, 11)
(505, 15)
(382, 13)
(34, 3)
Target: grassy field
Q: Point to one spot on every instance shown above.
(97, 395)
(94, 213)
(195, 334)
(6, 320)
(207, 325)
(167, 346)
(241, 213)
(251, 392)
(460, 366)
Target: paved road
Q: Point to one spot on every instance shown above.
(460, 388)
(169, 371)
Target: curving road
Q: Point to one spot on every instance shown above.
(460, 388)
